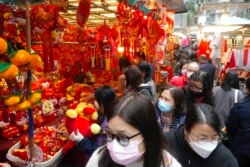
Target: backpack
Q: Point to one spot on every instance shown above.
(145, 90)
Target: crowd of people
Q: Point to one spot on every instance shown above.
(180, 124)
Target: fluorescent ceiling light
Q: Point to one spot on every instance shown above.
(107, 1)
(96, 9)
(72, 11)
(74, 4)
(109, 15)
(92, 17)
(112, 7)
(97, 21)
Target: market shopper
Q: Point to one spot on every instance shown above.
(198, 142)
(134, 82)
(104, 96)
(227, 94)
(207, 67)
(191, 68)
(147, 71)
(181, 67)
(181, 81)
(238, 128)
(124, 62)
(199, 90)
(170, 112)
(133, 136)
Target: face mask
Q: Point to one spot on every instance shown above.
(204, 149)
(124, 155)
(195, 94)
(163, 106)
(183, 71)
(189, 74)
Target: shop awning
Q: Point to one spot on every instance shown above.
(232, 21)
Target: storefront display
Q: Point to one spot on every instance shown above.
(52, 86)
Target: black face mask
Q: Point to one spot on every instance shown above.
(195, 94)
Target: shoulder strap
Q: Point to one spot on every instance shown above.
(236, 95)
(145, 88)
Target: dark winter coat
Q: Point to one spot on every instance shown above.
(238, 127)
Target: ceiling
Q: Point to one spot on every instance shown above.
(104, 10)
(100, 11)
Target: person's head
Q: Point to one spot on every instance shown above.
(183, 56)
(103, 97)
(182, 66)
(145, 70)
(203, 58)
(171, 102)
(231, 80)
(199, 85)
(124, 62)
(192, 67)
(247, 87)
(133, 128)
(133, 76)
(176, 46)
(202, 129)
(195, 46)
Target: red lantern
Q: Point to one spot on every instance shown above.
(83, 12)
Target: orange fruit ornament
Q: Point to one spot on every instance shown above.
(20, 57)
(12, 100)
(21, 106)
(35, 97)
(8, 71)
(3, 46)
(35, 62)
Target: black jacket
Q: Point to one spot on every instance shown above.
(238, 127)
(220, 157)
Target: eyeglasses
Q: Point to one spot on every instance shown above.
(122, 139)
(202, 140)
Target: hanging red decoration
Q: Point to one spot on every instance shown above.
(83, 12)
(44, 16)
(63, 4)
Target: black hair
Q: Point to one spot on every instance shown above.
(248, 84)
(203, 57)
(145, 67)
(231, 80)
(133, 77)
(201, 113)
(179, 66)
(124, 62)
(138, 111)
(178, 96)
(202, 77)
(183, 56)
(104, 96)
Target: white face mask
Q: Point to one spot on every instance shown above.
(189, 74)
(203, 149)
(183, 71)
(124, 155)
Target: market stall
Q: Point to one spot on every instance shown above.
(50, 68)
